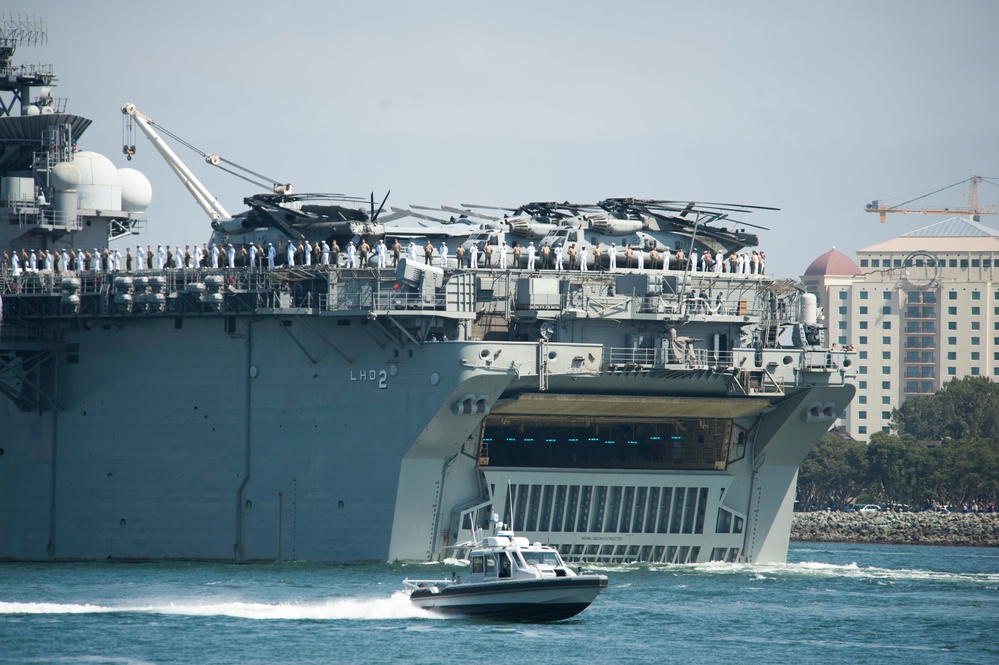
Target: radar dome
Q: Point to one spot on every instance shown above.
(136, 192)
(100, 186)
(65, 176)
(34, 110)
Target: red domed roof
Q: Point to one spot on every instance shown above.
(833, 262)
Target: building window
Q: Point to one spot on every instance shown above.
(863, 263)
(863, 355)
(976, 311)
(886, 295)
(896, 263)
(885, 399)
(974, 264)
(952, 355)
(863, 294)
(863, 340)
(975, 341)
(841, 339)
(951, 263)
(952, 341)
(886, 340)
(975, 371)
(975, 355)
(863, 309)
(951, 371)
(862, 399)
(886, 325)
(862, 415)
(862, 369)
(952, 295)
(886, 309)
(886, 355)
(862, 324)
(952, 325)
(964, 263)
(842, 325)
(976, 295)
(886, 385)
(886, 415)
(862, 429)
(976, 325)
(842, 295)
(952, 311)
(861, 385)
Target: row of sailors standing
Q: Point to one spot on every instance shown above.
(306, 254)
(554, 258)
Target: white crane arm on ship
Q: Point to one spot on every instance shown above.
(208, 203)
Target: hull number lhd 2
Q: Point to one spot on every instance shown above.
(379, 375)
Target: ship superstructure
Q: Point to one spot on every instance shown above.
(331, 414)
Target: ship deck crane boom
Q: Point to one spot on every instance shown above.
(973, 208)
(208, 203)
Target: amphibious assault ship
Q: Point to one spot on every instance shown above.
(343, 415)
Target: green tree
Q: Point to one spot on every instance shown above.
(833, 471)
(965, 408)
(892, 466)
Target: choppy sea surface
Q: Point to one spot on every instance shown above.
(828, 604)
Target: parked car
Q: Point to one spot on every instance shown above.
(868, 509)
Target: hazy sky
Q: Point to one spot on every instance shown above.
(812, 107)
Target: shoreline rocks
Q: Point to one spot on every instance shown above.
(926, 528)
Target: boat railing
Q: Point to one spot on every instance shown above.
(617, 358)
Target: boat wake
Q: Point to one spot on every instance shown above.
(397, 606)
(811, 569)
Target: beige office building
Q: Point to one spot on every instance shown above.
(920, 310)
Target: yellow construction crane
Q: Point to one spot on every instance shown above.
(973, 208)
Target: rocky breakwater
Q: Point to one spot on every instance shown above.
(926, 528)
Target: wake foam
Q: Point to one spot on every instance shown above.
(397, 606)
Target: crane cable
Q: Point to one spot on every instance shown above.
(263, 185)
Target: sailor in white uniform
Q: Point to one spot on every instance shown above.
(196, 256)
(160, 257)
(290, 254)
(411, 251)
(443, 255)
(582, 259)
(140, 259)
(719, 261)
(558, 258)
(117, 259)
(473, 256)
(215, 255)
(33, 262)
(381, 250)
(612, 257)
(15, 261)
(324, 256)
(308, 253)
(65, 260)
(531, 252)
(693, 260)
(178, 257)
(666, 259)
(271, 255)
(502, 253)
(81, 261)
(640, 254)
(230, 255)
(253, 256)
(351, 255)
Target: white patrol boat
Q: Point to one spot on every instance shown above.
(510, 579)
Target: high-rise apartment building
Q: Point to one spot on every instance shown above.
(920, 309)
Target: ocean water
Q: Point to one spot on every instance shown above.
(829, 604)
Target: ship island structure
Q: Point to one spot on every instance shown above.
(335, 414)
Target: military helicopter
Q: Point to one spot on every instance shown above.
(640, 224)
(277, 216)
